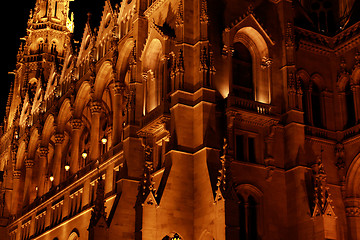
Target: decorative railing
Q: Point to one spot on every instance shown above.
(249, 105)
(319, 132)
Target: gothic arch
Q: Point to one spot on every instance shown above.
(33, 143)
(355, 76)
(82, 98)
(259, 51)
(64, 115)
(247, 192)
(151, 58)
(342, 82)
(152, 54)
(48, 130)
(303, 75)
(353, 179)
(20, 156)
(123, 62)
(318, 80)
(248, 189)
(103, 78)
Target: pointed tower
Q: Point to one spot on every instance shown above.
(49, 27)
(49, 31)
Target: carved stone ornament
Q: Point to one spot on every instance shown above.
(76, 123)
(352, 211)
(265, 62)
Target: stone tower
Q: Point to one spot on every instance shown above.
(185, 119)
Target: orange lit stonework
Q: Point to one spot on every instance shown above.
(185, 119)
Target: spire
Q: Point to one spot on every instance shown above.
(146, 185)
(99, 207)
(51, 11)
(322, 200)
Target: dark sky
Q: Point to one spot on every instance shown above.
(15, 15)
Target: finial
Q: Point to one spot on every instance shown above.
(89, 17)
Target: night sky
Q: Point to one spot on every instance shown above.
(14, 18)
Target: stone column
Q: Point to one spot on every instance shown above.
(57, 165)
(76, 125)
(95, 109)
(16, 192)
(29, 163)
(43, 152)
(117, 112)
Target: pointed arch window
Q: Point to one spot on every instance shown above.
(312, 104)
(248, 222)
(242, 72)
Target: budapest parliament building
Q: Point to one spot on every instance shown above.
(185, 119)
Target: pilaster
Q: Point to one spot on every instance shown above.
(95, 109)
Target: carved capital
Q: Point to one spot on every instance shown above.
(43, 151)
(352, 211)
(16, 174)
(29, 163)
(95, 107)
(76, 123)
(59, 138)
(119, 88)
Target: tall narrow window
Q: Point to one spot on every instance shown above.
(350, 109)
(252, 221)
(242, 73)
(251, 149)
(316, 105)
(248, 228)
(245, 148)
(240, 147)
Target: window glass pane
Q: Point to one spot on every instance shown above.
(251, 148)
(240, 147)
(242, 71)
(350, 110)
(252, 221)
(242, 217)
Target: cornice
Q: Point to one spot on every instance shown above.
(325, 45)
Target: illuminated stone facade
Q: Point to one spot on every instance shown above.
(185, 119)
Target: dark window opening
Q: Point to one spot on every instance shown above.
(245, 148)
(350, 108)
(251, 148)
(242, 72)
(248, 228)
(240, 148)
(316, 106)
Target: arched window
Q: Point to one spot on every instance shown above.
(242, 72)
(312, 103)
(41, 46)
(350, 108)
(248, 217)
